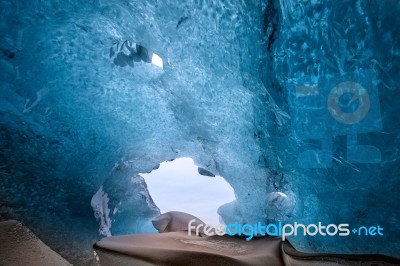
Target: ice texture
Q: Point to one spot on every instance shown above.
(78, 123)
(124, 206)
(334, 66)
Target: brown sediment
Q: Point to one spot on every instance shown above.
(19, 246)
(180, 249)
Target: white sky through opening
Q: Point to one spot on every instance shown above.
(157, 60)
(177, 186)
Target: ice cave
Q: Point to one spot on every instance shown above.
(294, 103)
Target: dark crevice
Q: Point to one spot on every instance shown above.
(270, 25)
(270, 31)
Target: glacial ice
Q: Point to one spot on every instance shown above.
(243, 91)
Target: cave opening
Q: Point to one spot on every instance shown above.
(180, 185)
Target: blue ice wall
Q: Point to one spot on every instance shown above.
(336, 63)
(76, 120)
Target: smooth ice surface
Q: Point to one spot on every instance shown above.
(177, 186)
(246, 91)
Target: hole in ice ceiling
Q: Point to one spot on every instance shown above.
(128, 53)
(178, 186)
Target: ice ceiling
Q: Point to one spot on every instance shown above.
(83, 111)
